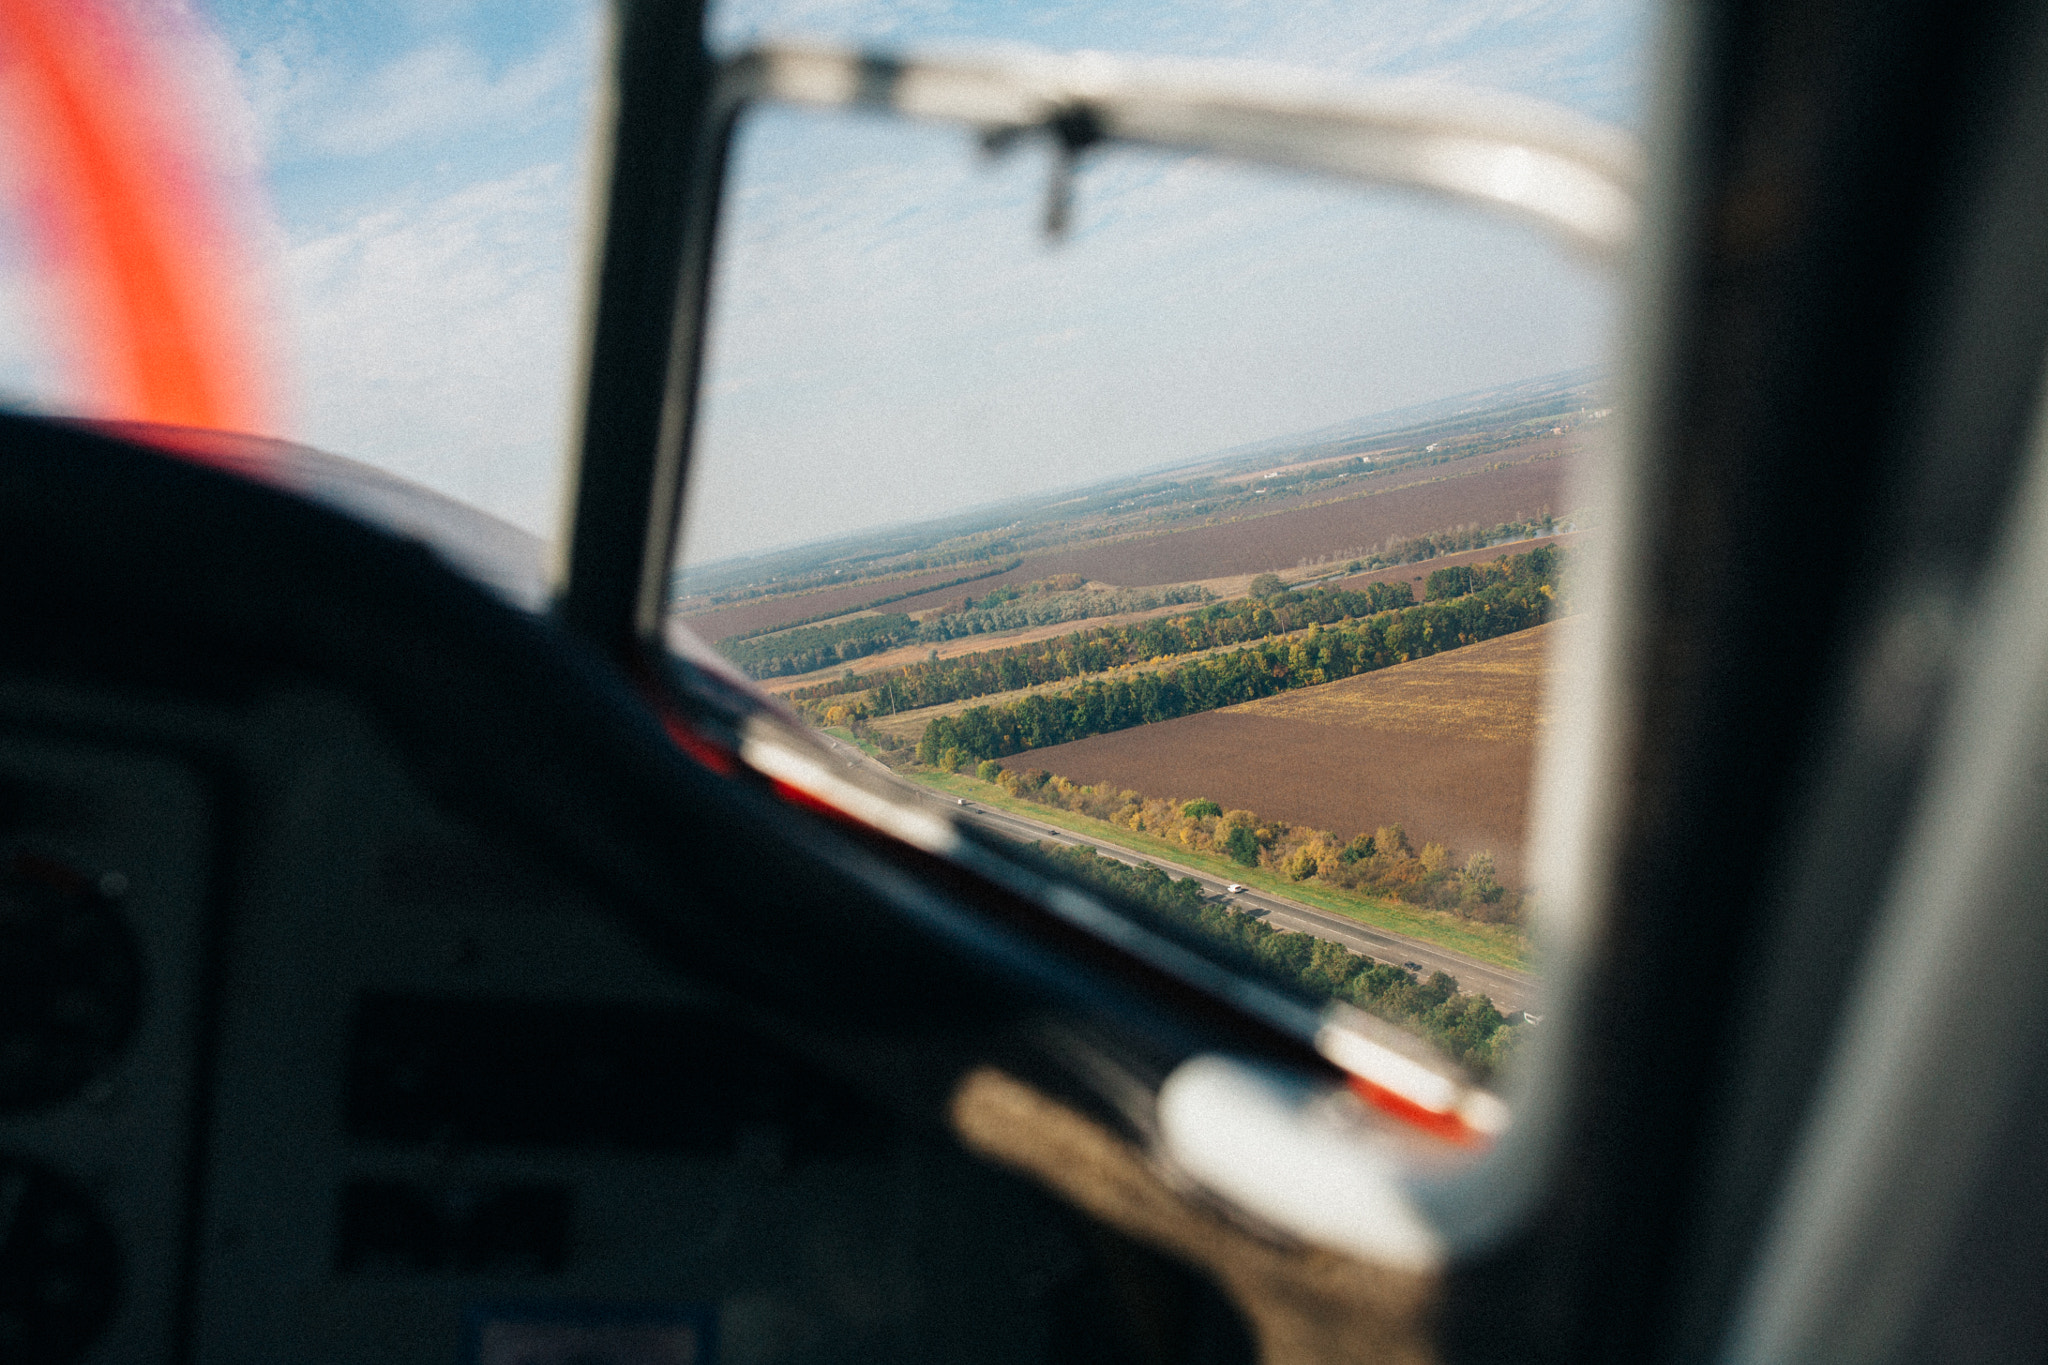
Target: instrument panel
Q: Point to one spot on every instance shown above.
(294, 1065)
(105, 858)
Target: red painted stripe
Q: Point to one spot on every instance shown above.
(797, 796)
(716, 757)
(1436, 1123)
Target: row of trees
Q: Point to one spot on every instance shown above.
(982, 558)
(1102, 648)
(1382, 863)
(1524, 595)
(1465, 1026)
(790, 651)
(810, 647)
(1459, 580)
(1018, 610)
(1458, 540)
(1010, 592)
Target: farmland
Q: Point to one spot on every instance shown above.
(1349, 634)
(1278, 540)
(770, 611)
(1511, 456)
(1339, 529)
(919, 635)
(908, 724)
(1282, 540)
(1331, 530)
(906, 727)
(1415, 574)
(966, 644)
(1443, 745)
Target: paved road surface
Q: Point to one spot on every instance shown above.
(1508, 989)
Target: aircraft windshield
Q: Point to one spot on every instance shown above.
(1213, 546)
(1219, 517)
(403, 206)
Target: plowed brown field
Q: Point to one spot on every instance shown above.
(1458, 494)
(762, 613)
(1443, 746)
(1285, 539)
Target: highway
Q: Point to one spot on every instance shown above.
(1509, 990)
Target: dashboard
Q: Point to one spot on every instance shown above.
(297, 1065)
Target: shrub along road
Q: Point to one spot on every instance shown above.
(1508, 989)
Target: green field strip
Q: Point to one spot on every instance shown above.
(841, 733)
(902, 723)
(1494, 944)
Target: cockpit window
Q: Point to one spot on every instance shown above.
(409, 189)
(1207, 528)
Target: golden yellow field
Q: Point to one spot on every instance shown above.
(1444, 746)
(1492, 691)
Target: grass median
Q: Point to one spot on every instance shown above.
(1496, 944)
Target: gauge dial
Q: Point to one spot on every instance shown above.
(60, 1269)
(70, 983)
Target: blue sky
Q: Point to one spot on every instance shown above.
(427, 167)
(422, 173)
(894, 337)
(1585, 53)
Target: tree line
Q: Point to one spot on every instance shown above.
(1102, 648)
(916, 590)
(791, 651)
(1465, 1026)
(1383, 863)
(1522, 595)
(1456, 541)
(811, 647)
(835, 578)
(1460, 580)
(1004, 609)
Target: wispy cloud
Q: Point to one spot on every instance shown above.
(437, 339)
(440, 94)
(883, 345)
(892, 337)
(1587, 53)
(209, 78)
(891, 340)
(429, 171)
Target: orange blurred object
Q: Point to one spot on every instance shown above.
(130, 220)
